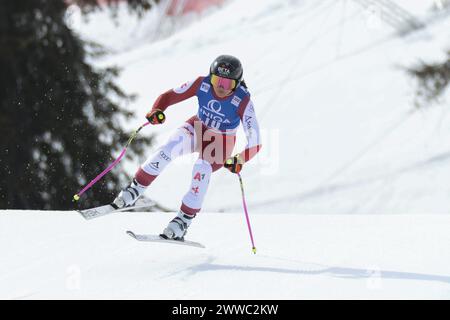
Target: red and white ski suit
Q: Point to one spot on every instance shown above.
(214, 146)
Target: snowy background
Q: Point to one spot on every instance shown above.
(340, 132)
(349, 197)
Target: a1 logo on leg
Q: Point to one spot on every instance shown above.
(199, 176)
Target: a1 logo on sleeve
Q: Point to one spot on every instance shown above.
(183, 88)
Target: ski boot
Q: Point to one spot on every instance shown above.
(128, 196)
(177, 228)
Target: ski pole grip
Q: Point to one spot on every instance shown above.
(156, 117)
(161, 117)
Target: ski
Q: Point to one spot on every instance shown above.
(97, 212)
(157, 238)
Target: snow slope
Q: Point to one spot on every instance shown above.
(346, 198)
(340, 133)
(60, 255)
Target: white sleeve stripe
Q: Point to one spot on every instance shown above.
(184, 87)
(251, 126)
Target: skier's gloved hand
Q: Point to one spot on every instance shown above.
(156, 116)
(234, 164)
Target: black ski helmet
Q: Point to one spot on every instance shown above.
(227, 66)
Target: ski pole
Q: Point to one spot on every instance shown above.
(246, 214)
(77, 196)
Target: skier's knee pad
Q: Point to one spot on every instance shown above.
(201, 174)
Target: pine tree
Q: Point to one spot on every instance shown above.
(59, 116)
(433, 80)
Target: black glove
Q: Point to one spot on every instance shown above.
(156, 117)
(234, 164)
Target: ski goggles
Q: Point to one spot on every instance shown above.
(224, 83)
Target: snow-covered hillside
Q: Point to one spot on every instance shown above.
(340, 133)
(60, 255)
(347, 198)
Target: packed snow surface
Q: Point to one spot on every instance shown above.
(61, 255)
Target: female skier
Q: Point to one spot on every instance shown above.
(223, 102)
